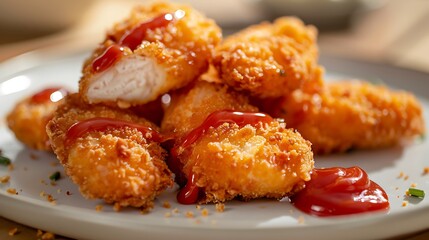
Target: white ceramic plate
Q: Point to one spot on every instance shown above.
(73, 216)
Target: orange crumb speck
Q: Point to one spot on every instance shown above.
(167, 214)
(175, 211)
(406, 177)
(204, 212)
(220, 207)
(11, 191)
(166, 204)
(11, 167)
(4, 179)
(413, 185)
(401, 175)
(13, 231)
(198, 207)
(48, 236)
(189, 214)
(99, 208)
(425, 170)
(404, 203)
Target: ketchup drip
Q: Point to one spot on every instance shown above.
(189, 194)
(49, 95)
(132, 39)
(99, 124)
(340, 191)
(112, 54)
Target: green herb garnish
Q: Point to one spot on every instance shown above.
(4, 161)
(416, 192)
(55, 176)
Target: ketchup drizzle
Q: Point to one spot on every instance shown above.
(46, 95)
(340, 191)
(190, 192)
(99, 124)
(132, 39)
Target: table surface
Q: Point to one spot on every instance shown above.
(396, 33)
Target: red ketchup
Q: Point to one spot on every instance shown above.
(132, 39)
(340, 191)
(189, 194)
(99, 124)
(49, 95)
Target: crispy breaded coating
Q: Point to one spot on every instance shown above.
(353, 115)
(189, 107)
(119, 165)
(250, 162)
(174, 46)
(28, 120)
(269, 60)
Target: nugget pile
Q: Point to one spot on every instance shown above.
(164, 96)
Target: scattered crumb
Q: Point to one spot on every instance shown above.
(167, 214)
(425, 170)
(99, 208)
(175, 211)
(401, 175)
(5, 179)
(413, 185)
(59, 190)
(404, 203)
(407, 193)
(397, 188)
(301, 220)
(10, 167)
(116, 207)
(204, 212)
(166, 204)
(43, 182)
(198, 207)
(42, 194)
(33, 156)
(51, 199)
(13, 231)
(189, 214)
(220, 207)
(406, 177)
(12, 191)
(44, 236)
(68, 193)
(53, 183)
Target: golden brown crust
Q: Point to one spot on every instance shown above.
(183, 49)
(190, 107)
(249, 162)
(118, 165)
(28, 120)
(353, 114)
(269, 60)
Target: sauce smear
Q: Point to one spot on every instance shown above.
(340, 191)
(190, 192)
(108, 58)
(100, 124)
(132, 39)
(49, 95)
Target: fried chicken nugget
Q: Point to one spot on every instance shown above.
(29, 117)
(188, 108)
(115, 160)
(269, 60)
(249, 155)
(265, 160)
(160, 47)
(352, 115)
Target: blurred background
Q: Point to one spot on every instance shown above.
(389, 31)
